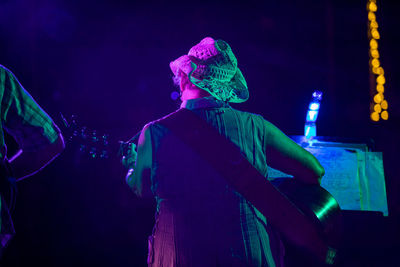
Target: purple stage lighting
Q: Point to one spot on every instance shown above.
(174, 95)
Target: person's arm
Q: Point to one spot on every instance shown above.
(25, 164)
(287, 156)
(139, 178)
(37, 136)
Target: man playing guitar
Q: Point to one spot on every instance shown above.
(204, 218)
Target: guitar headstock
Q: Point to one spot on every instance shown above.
(90, 141)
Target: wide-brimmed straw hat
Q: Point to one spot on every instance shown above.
(212, 66)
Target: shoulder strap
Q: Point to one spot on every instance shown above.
(228, 161)
(218, 151)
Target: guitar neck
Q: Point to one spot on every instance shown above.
(97, 146)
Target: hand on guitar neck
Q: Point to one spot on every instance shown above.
(129, 155)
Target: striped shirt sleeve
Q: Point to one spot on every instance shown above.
(23, 118)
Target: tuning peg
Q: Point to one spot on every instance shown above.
(93, 152)
(73, 123)
(94, 136)
(82, 148)
(83, 133)
(105, 139)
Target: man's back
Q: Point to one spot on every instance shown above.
(201, 221)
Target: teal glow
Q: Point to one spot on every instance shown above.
(328, 206)
(310, 127)
(312, 115)
(310, 130)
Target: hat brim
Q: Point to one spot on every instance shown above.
(234, 91)
(182, 63)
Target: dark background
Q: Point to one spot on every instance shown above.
(108, 63)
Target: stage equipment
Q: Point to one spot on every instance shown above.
(310, 127)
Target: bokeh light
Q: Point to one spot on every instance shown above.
(372, 6)
(380, 88)
(377, 108)
(375, 34)
(378, 98)
(375, 116)
(384, 104)
(381, 79)
(385, 115)
(373, 44)
(374, 53)
(379, 101)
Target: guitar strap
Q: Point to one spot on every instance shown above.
(229, 162)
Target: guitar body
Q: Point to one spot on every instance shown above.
(314, 201)
(320, 207)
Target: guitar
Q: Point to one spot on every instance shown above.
(314, 201)
(320, 207)
(228, 161)
(98, 146)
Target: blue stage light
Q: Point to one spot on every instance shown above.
(312, 115)
(313, 106)
(310, 128)
(317, 95)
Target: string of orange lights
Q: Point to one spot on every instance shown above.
(379, 104)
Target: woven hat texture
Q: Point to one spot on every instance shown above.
(212, 66)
